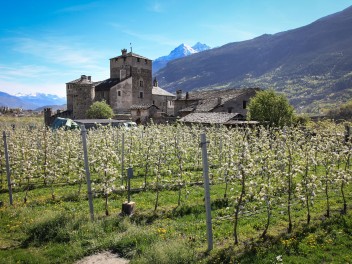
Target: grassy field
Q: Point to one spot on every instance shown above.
(58, 229)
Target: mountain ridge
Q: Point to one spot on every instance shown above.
(312, 64)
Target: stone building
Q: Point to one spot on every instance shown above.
(129, 86)
(163, 99)
(214, 101)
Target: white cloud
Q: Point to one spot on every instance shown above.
(25, 71)
(56, 50)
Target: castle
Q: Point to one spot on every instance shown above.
(130, 87)
(132, 94)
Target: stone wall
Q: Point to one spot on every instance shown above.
(49, 117)
(181, 104)
(237, 105)
(164, 103)
(83, 98)
(121, 96)
(141, 86)
(126, 62)
(102, 96)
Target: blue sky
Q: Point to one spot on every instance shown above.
(44, 44)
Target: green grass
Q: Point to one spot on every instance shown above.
(328, 241)
(59, 231)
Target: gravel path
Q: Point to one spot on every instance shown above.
(103, 258)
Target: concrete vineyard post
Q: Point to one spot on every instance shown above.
(8, 174)
(122, 157)
(86, 166)
(203, 144)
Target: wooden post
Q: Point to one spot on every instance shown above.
(86, 166)
(203, 144)
(8, 174)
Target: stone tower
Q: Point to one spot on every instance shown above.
(135, 81)
(80, 96)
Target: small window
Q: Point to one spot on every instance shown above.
(138, 59)
(124, 59)
(229, 109)
(153, 102)
(146, 61)
(140, 94)
(138, 112)
(118, 93)
(244, 104)
(141, 84)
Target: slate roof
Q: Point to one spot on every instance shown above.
(208, 100)
(106, 84)
(131, 54)
(159, 91)
(209, 118)
(207, 104)
(80, 81)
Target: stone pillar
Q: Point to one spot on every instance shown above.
(47, 116)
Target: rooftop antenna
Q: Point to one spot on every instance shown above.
(131, 47)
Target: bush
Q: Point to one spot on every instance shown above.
(271, 108)
(100, 110)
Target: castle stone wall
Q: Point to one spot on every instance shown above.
(144, 76)
(121, 96)
(83, 97)
(126, 63)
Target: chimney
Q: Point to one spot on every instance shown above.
(155, 83)
(219, 100)
(178, 94)
(124, 52)
(187, 95)
(83, 77)
(90, 78)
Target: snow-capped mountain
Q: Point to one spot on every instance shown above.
(31, 101)
(8, 100)
(41, 99)
(179, 52)
(200, 47)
